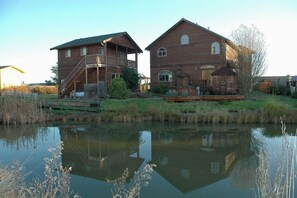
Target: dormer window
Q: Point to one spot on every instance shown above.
(162, 52)
(184, 40)
(215, 48)
(83, 51)
(67, 53)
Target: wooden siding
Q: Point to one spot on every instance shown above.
(191, 59)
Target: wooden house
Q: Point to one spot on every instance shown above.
(188, 58)
(89, 64)
(10, 76)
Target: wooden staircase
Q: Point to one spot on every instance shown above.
(68, 84)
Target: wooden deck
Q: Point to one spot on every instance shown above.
(204, 98)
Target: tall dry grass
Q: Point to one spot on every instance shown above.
(56, 182)
(20, 109)
(141, 179)
(282, 183)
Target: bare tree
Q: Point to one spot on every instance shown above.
(251, 55)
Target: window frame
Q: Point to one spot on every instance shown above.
(83, 51)
(215, 48)
(184, 40)
(101, 51)
(167, 76)
(162, 52)
(67, 53)
(115, 75)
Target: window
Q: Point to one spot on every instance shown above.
(83, 51)
(215, 48)
(165, 76)
(101, 51)
(115, 75)
(162, 52)
(67, 53)
(122, 55)
(215, 167)
(184, 40)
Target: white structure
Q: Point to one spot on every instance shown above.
(10, 76)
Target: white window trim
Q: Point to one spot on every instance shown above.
(101, 51)
(165, 52)
(67, 53)
(169, 73)
(215, 48)
(184, 40)
(83, 51)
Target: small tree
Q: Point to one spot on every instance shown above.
(117, 89)
(251, 55)
(131, 78)
(54, 78)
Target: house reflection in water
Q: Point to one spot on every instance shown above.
(192, 160)
(100, 153)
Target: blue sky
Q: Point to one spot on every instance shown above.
(29, 28)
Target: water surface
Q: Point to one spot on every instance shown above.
(192, 160)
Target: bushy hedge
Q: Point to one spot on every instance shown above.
(161, 89)
(117, 89)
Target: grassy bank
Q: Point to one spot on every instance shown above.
(256, 108)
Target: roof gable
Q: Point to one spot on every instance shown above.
(96, 40)
(193, 24)
(13, 67)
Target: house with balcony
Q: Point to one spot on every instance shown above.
(192, 60)
(89, 64)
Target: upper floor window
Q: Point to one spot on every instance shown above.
(215, 48)
(122, 55)
(184, 40)
(162, 52)
(83, 51)
(101, 51)
(67, 53)
(165, 76)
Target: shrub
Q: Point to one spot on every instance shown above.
(279, 90)
(131, 78)
(264, 86)
(118, 89)
(161, 89)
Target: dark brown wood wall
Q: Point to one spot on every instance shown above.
(189, 57)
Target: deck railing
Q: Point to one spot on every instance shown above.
(108, 60)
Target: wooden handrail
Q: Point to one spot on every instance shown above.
(71, 76)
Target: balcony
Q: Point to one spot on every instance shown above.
(95, 60)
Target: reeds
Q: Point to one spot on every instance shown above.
(141, 179)
(282, 183)
(21, 109)
(56, 182)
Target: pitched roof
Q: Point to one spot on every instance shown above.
(194, 24)
(224, 71)
(6, 66)
(96, 40)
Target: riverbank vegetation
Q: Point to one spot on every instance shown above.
(257, 107)
(21, 109)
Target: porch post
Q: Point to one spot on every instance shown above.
(136, 61)
(106, 63)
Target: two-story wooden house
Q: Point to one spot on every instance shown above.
(192, 60)
(89, 64)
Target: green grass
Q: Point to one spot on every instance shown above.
(256, 107)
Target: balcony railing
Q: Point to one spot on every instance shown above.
(103, 61)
